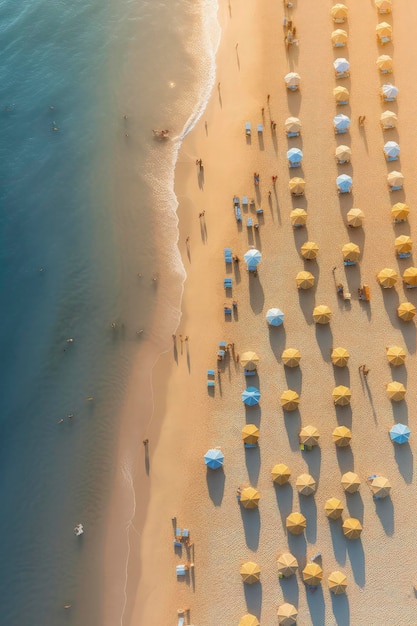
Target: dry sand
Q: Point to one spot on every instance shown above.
(380, 567)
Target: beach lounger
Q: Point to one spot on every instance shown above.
(238, 214)
(340, 131)
(181, 570)
(396, 188)
(290, 134)
(211, 383)
(227, 310)
(181, 621)
(298, 164)
(349, 262)
(259, 211)
(178, 534)
(211, 373)
(250, 222)
(228, 257)
(177, 544)
(247, 129)
(250, 372)
(221, 353)
(385, 39)
(404, 255)
(250, 445)
(260, 128)
(227, 283)
(342, 102)
(245, 200)
(222, 344)
(236, 201)
(411, 286)
(387, 99)
(391, 158)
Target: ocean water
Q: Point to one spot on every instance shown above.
(88, 234)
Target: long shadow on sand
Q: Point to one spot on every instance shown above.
(315, 601)
(345, 459)
(252, 526)
(354, 504)
(294, 378)
(313, 460)
(290, 589)
(284, 495)
(404, 458)
(292, 421)
(308, 508)
(385, 511)
(324, 338)
(298, 547)
(357, 560)
(253, 464)
(277, 339)
(256, 293)
(341, 610)
(253, 597)
(344, 415)
(215, 483)
(338, 541)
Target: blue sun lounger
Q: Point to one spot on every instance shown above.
(181, 570)
(227, 311)
(260, 128)
(228, 283)
(238, 214)
(250, 372)
(250, 222)
(181, 621)
(236, 201)
(228, 255)
(247, 129)
(396, 188)
(349, 262)
(250, 445)
(404, 255)
(245, 200)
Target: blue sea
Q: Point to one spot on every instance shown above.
(88, 253)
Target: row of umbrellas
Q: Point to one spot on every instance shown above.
(343, 153)
(387, 118)
(388, 277)
(287, 566)
(339, 11)
(355, 216)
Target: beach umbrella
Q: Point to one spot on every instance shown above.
(339, 12)
(309, 436)
(312, 574)
(391, 149)
(344, 183)
(342, 436)
(387, 277)
(389, 90)
(249, 620)
(341, 94)
(410, 276)
(309, 250)
(214, 458)
(400, 211)
(403, 244)
(249, 498)
(297, 185)
(287, 614)
(296, 523)
(280, 474)
(306, 485)
(291, 357)
(400, 433)
(350, 482)
(287, 564)
(298, 217)
(395, 355)
(341, 122)
(322, 314)
(249, 360)
(339, 37)
(388, 119)
(250, 572)
(337, 582)
(380, 487)
(290, 400)
(406, 311)
(250, 434)
(340, 357)
(396, 391)
(383, 6)
(341, 65)
(343, 153)
(352, 528)
(304, 280)
(384, 63)
(395, 179)
(294, 156)
(292, 79)
(384, 31)
(351, 252)
(251, 396)
(341, 395)
(252, 257)
(355, 217)
(333, 508)
(292, 125)
(275, 317)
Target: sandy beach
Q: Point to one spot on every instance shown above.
(187, 420)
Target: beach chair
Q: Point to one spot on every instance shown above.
(211, 373)
(227, 283)
(222, 345)
(342, 102)
(259, 211)
(342, 74)
(181, 570)
(181, 621)
(388, 99)
(340, 131)
(395, 187)
(210, 380)
(211, 383)
(349, 262)
(227, 310)
(221, 353)
(177, 544)
(228, 257)
(249, 372)
(247, 129)
(293, 134)
(297, 164)
(186, 535)
(245, 200)
(404, 255)
(411, 286)
(250, 445)
(384, 40)
(238, 214)
(260, 128)
(250, 222)
(391, 158)
(236, 201)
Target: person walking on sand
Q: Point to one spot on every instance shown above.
(267, 98)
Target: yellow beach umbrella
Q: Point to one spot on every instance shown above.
(290, 400)
(341, 395)
(352, 528)
(298, 217)
(387, 277)
(250, 434)
(406, 311)
(342, 436)
(351, 252)
(384, 32)
(249, 620)
(291, 357)
(340, 357)
(403, 244)
(381, 487)
(339, 37)
(249, 498)
(309, 436)
(292, 125)
(280, 474)
(396, 355)
(341, 94)
(322, 314)
(312, 574)
(410, 276)
(287, 564)
(350, 482)
(250, 572)
(287, 614)
(384, 63)
(304, 280)
(343, 153)
(309, 250)
(296, 523)
(249, 360)
(383, 6)
(339, 12)
(400, 211)
(306, 485)
(333, 508)
(337, 582)
(396, 391)
(297, 186)
(395, 179)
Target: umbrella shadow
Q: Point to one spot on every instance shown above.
(292, 421)
(175, 351)
(256, 293)
(313, 460)
(354, 505)
(341, 375)
(340, 608)
(391, 300)
(201, 177)
(344, 415)
(306, 299)
(252, 527)
(344, 458)
(400, 411)
(294, 102)
(315, 601)
(294, 378)
(284, 495)
(253, 464)
(290, 589)
(277, 339)
(324, 338)
(384, 508)
(261, 141)
(404, 459)
(253, 416)
(308, 508)
(298, 547)
(357, 560)
(338, 541)
(215, 483)
(253, 598)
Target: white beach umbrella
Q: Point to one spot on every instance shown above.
(389, 90)
(341, 65)
(292, 79)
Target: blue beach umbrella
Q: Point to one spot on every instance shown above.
(214, 458)
(399, 433)
(294, 155)
(392, 149)
(275, 317)
(252, 258)
(344, 183)
(341, 122)
(341, 65)
(389, 91)
(251, 396)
